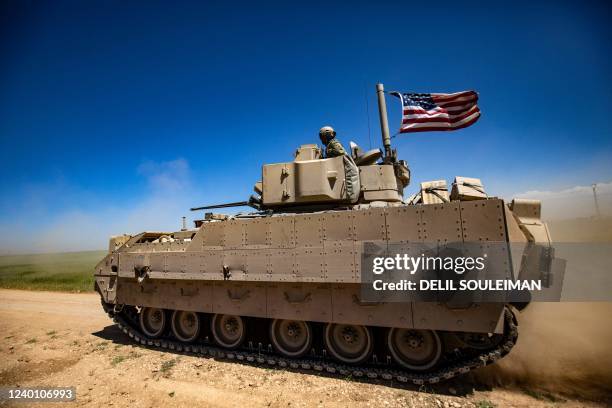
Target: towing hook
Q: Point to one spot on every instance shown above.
(142, 273)
(227, 274)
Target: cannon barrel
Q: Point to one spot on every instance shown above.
(226, 205)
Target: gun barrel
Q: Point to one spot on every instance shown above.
(226, 205)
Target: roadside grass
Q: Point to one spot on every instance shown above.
(167, 365)
(65, 272)
(542, 395)
(119, 359)
(485, 404)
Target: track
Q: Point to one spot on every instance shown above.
(125, 319)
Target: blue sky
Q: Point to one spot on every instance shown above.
(121, 115)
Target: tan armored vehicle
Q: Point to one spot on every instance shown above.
(282, 285)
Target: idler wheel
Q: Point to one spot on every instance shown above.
(291, 338)
(228, 330)
(349, 343)
(417, 350)
(185, 325)
(152, 321)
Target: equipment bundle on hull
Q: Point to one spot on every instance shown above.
(282, 285)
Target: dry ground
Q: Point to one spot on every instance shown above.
(60, 339)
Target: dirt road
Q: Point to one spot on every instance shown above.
(58, 339)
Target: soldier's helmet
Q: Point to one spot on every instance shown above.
(326, 133)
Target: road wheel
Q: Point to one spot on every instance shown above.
(152, 321)
(349, 343)
(291, 338)
(185, 325)
(417, 350)
(228, 330)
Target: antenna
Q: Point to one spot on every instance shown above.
(365, 93)
(594, 185)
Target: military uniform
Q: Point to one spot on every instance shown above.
(334, 149)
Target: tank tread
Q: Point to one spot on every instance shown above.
(484, 358)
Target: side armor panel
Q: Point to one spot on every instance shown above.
(307, 266)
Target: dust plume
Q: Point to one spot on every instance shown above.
(563, 348)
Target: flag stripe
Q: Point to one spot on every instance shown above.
(441, 128)
(452, 111)
(461, 96)
(442, 117)
(457, 103)
(451, 95)
(439, 123)
(463, 99)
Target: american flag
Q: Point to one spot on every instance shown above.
(435, 111)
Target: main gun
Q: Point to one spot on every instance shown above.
(226, 205)
(254, 202)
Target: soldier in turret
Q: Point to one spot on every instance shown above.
(333, 147)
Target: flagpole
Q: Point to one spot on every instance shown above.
(384, 124)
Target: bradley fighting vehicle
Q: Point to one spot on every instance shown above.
(281, 285)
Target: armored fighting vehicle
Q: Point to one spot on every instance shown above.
(281, 284)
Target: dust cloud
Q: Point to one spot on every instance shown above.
(564, 348)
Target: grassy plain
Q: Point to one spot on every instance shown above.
(69, 271)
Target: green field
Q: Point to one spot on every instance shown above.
(70, 271)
